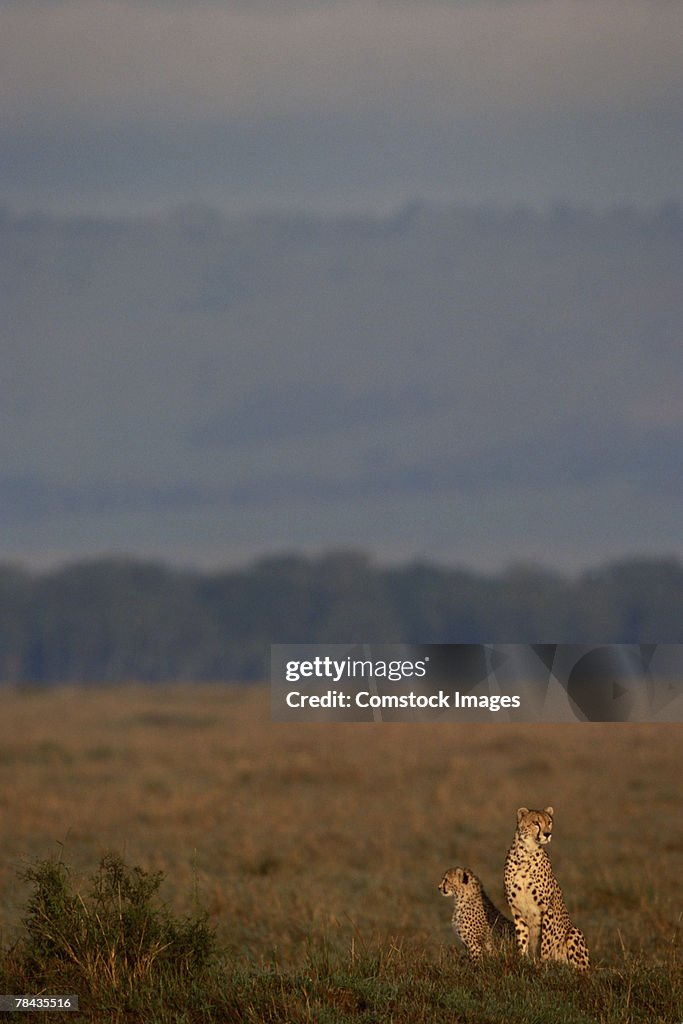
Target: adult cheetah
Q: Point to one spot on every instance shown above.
(477, 923)
(538, 909)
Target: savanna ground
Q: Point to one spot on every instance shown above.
(316, 851)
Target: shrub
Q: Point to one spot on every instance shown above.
(118, 936)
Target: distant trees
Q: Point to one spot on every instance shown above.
(114, 620)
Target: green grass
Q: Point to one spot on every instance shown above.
(407, 986)
(129, 958)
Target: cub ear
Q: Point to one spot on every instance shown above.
(549, 810)
(465, 877)
(521, 811)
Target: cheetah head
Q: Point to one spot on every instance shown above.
(455, 880)
(535, 828)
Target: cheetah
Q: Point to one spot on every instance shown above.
(479, 926)
(541, 919)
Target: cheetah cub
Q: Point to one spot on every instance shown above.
(541, 920)
(476, 922)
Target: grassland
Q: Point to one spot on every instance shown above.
(317, 850)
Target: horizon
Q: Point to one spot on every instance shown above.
(374, 563)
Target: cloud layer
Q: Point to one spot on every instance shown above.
(329, 340)
(354, 101)
(85, 60)
(479, 386)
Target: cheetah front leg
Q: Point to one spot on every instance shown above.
(522, 933)
(577, 950)
(535, 930)
(548, 944)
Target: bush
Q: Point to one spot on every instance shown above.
(118, 937)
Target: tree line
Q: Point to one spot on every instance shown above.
(117, 620)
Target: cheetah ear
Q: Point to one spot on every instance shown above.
(465, 877)
(521, 811)
(550, 811)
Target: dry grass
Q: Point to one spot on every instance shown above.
(293, 833)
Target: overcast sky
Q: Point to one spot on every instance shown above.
(116, 104)
(310, 273)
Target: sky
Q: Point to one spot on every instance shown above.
(308, 274)
(121, 105)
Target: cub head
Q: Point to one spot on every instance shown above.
(457, 881)
(535, 827)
